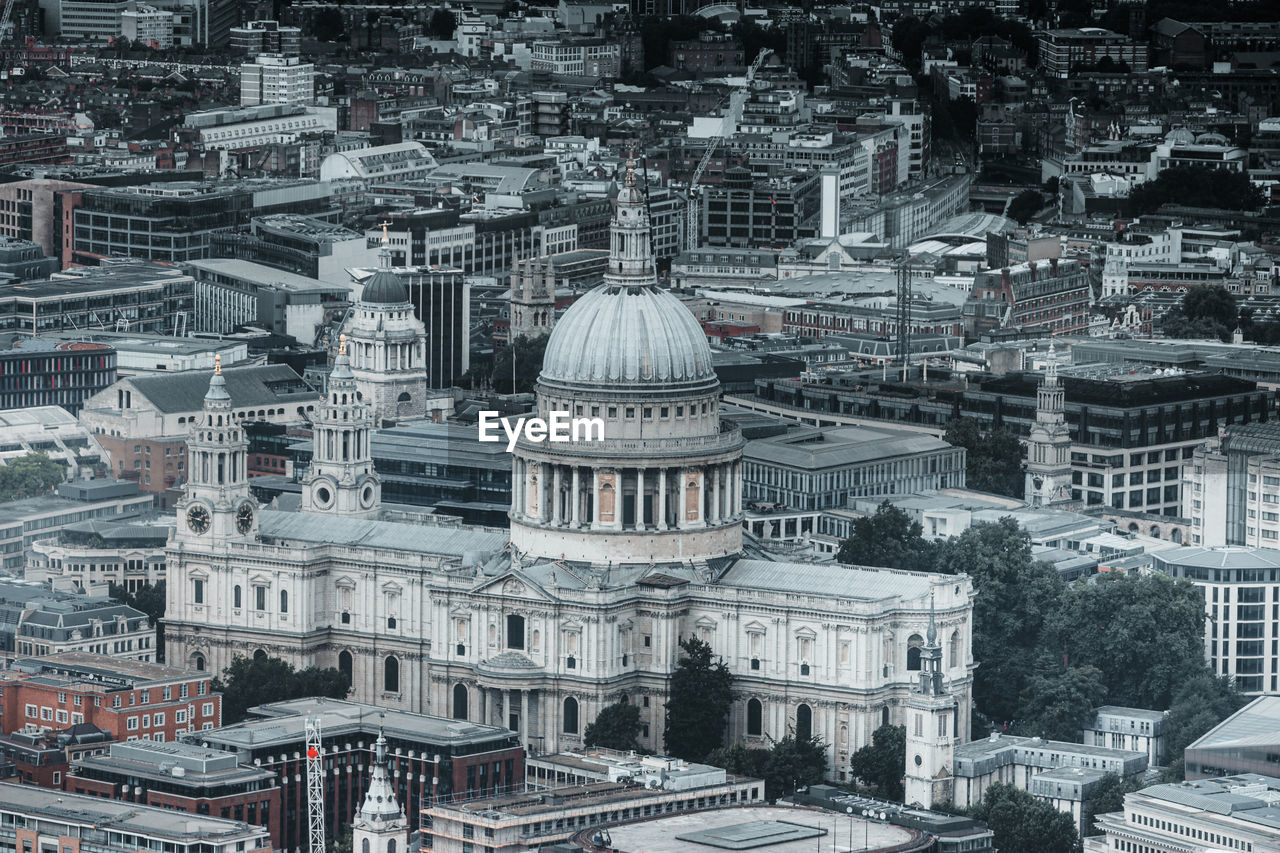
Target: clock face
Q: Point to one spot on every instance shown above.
(198, 518)
(244, 517)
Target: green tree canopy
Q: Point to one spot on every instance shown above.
(698, 704)
(790, 764)
(1198, 705)
(1022, 822)
(615, 727)
(29, 475)
(151, 601)
(993, 460)
(888, 538)
(1108, 798)
(1204, 312)
(1025, 205)
(249, 682)
(1196, 186)
(442, 24)
(525, 353)
(1062, 701)
(882, 763)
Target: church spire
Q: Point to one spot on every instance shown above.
(380, 825)
(342, 479)
(630, 248)
(216, 496)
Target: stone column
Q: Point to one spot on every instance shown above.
(640, 499)
(556, 496)
(504, 704)
(595, 498)
(660, 512)
(576, 507)
(715, 494)
(484, 704)
(517, 485)
(524, 719)
(681, 515)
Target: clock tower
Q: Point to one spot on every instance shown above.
(342, 480)
(217, 504)
(931, 729)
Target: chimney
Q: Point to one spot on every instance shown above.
(1053, 267)
(1004, 278)
(1031, 265)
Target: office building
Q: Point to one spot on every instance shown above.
(181, 777)
(592, 789)
(231, 293)
(257, 37)
(130, 699)
(23, 260)
(812, 468)
(1052, 297)
(1232, 491)
(1246, 742)
(43, 373)
(432, 758)
(35, 620)
(25, 520)
(1241, 588)
(277, 79)
(42, 757)
(1131, 432)
(305, 245)
(773, 212)
(95, 825)
(143, 353)
(132, 295)
(1135, 729)
(1229, 813)
(54, 432)
(1063, 52)
(147, 26)
(127, 552)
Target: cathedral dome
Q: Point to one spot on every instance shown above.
(384, 288)
(627, 335)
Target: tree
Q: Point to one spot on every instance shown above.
(249, 682)
(1196, 186)
(1017, 593)
(889, 538)
(1061, 701)
(794, 763)
(993, 460)
(442, 24)
(699, 702)
(32, 474)
(1108, 798)
(527, 354)
(151, 601)
(1025, 205)
(615, 727)
(1204, 312)
(1021, 822)
(329, 25)
(882, 763)
(1198, 706)
(743, 760)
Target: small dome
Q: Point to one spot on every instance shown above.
(636, 335)
(384, 288)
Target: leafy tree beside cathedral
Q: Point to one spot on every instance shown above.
(698, 704)
(250, 682)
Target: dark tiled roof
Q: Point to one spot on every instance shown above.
(267, 385)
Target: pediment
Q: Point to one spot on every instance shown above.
(513, 585)
(754, 627)
(807, 634)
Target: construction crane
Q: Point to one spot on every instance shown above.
(315, 786)
(732, 116)
(4, 19)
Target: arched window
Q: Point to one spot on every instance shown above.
(284, 601)
(755, 717)
(460, 701)
(364, 846)
(1176, 536)
(346, 665)
(804, 722)
(914, 642)
(391, 846)
(237, 598)
(197, 663)
(1155, 532)
(260, 654)
(515, 631)
(403, 398)
(391, 675)
(884, 716)
(570, 716)
(954, 655)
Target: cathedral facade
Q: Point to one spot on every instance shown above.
(619, 548)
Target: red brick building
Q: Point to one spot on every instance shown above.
(44, 758)
(131, 700)
(182, 777)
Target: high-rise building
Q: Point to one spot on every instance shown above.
(257, 37)
(277, 79)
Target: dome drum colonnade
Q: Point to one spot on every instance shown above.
(666, 477)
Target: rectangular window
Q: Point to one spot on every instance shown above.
(131, 724)
(197, 591)
(259, 598)
(207, 709)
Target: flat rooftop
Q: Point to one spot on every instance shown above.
(285, 723)
(83, 666)
(809, 449)
(758, 828)
(31, 801)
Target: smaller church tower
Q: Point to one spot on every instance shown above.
(380, 826)
(216, 504)
(931, 729)
(533, 298)
(387, 345)
(1048, 480)
(342, 480)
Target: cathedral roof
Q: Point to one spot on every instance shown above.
(640, 335)
(384, 288)
(373, 533)
(270, 384)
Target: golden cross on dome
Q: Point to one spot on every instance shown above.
(386, 238)
(342, 344)
(630, 178)
(217, 365)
